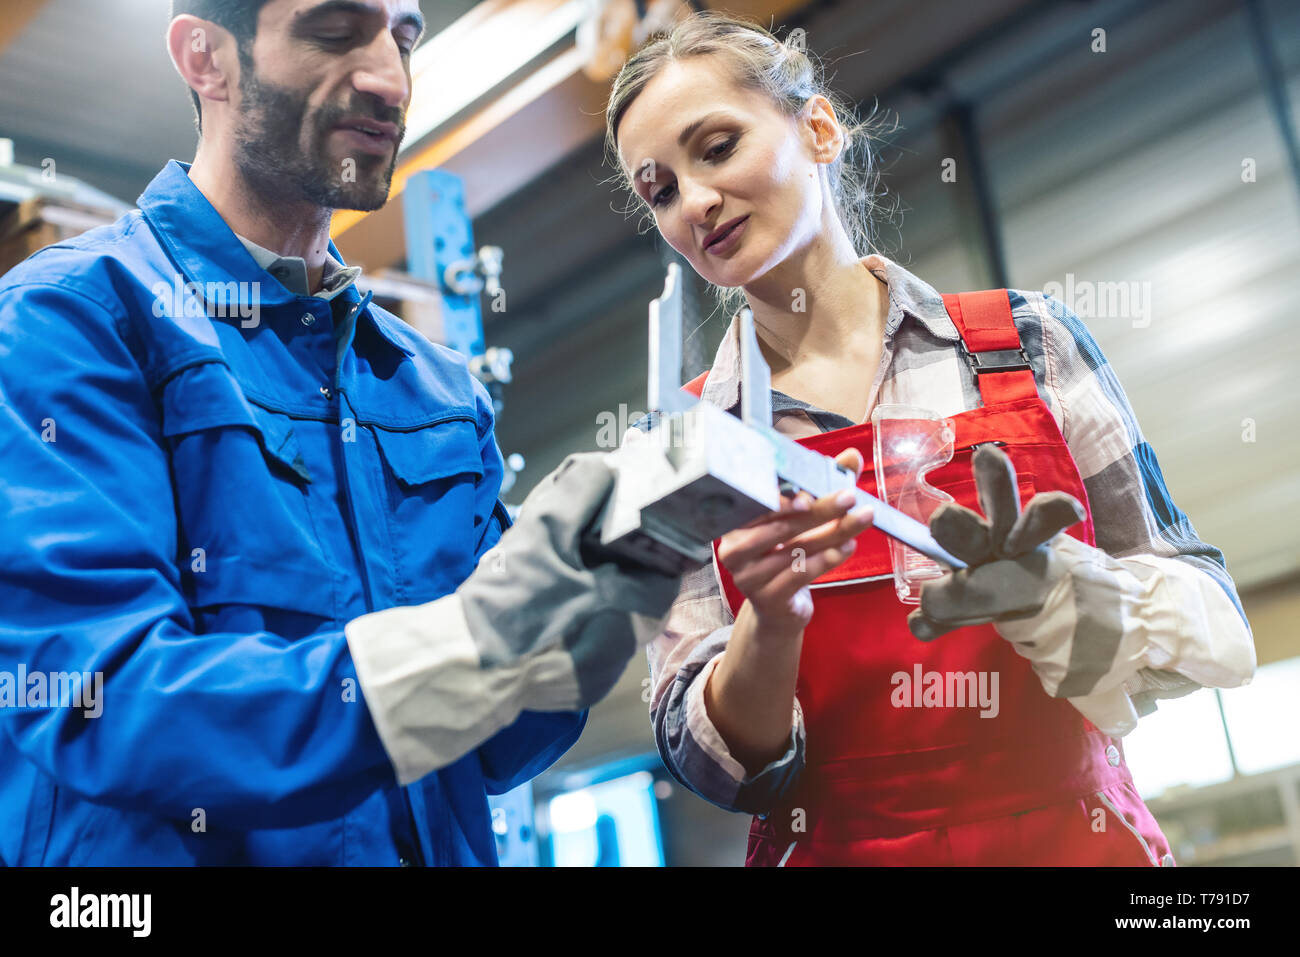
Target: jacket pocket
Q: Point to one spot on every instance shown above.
(245, 535)
(434, 452)
(434, 513)
(207, 397)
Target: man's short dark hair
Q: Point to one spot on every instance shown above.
(237, 16)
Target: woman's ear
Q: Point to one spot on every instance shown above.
(822, 126)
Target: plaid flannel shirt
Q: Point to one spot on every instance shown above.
(922, 364)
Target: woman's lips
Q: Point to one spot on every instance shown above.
(728, 236)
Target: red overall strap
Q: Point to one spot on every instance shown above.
(990, 341)
(992, 345)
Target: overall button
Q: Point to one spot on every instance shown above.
(325, 391)
(1112, 755)
(308, 319)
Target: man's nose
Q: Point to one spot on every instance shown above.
(384, 74)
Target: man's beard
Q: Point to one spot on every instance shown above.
(273, 161)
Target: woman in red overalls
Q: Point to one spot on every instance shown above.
(740, 158)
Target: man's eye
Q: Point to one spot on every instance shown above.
(343, 38)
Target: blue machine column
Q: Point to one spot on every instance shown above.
(439, 245)
(440, 249)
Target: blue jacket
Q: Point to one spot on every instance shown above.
(197, 498)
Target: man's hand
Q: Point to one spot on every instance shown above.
(534, 589)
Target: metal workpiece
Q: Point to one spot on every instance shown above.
(699, 472)
(664, 386)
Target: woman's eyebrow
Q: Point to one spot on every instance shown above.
(691, 128)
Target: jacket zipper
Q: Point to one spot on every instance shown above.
(370, 607)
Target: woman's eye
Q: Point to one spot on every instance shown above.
(661, 197)
(720, 150)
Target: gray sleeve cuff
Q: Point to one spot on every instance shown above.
(431, 699)
(1149, 686)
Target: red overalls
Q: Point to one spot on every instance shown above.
(901, 771)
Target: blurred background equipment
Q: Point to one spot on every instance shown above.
(605, 818)
(38, 207)
(440, 292)
(1137, 159)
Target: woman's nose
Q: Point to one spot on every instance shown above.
(698, 201)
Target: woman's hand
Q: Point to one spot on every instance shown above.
(773, 559)
(750, 693)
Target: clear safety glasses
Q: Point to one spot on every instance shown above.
(910, 442)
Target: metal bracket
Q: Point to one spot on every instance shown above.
(755, 376)
(664, 383)
(997, 360)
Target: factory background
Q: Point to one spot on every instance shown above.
(1136, 158)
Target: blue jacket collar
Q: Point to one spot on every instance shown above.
(207, 251)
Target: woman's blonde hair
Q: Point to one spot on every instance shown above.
(790, 76)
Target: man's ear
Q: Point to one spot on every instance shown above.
(205, 56)
(823, 130)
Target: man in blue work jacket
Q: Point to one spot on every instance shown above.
(256, 604)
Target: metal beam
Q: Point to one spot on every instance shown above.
(18, 13)
(554, 111)
(977, 204)
(1274, 81)
(502, 138)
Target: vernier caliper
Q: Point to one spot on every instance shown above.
(700, 472)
